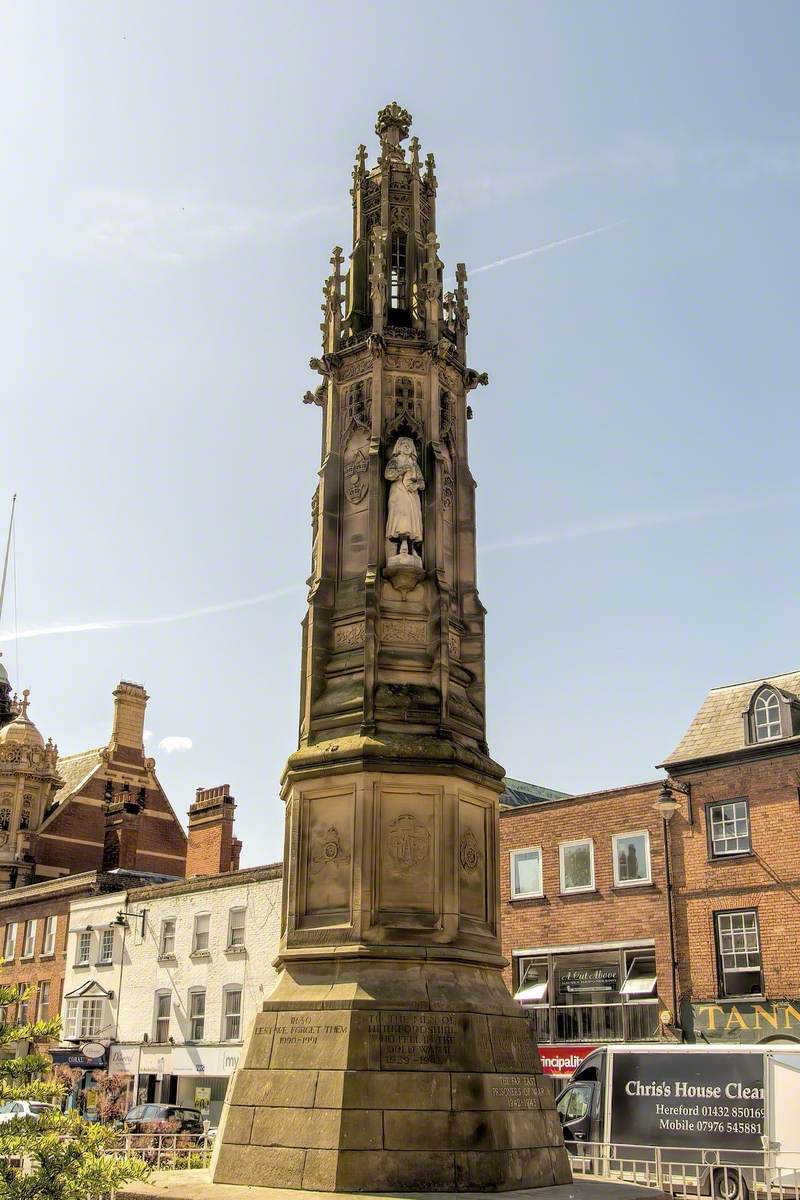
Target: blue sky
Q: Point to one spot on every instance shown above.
(174, 177)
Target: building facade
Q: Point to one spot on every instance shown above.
(35, 941)
(585, 919)
(195, 964)
(665, 910)
(92, 811)
(735, 845)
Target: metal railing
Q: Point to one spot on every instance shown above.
(165, 1151)
(727, 1174)
(619, 1022)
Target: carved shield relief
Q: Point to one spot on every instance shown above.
(356, 467)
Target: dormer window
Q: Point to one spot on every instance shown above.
(767, 716)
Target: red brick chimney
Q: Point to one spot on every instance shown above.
(121, 834)
(212, 848)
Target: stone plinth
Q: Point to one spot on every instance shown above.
(391, 1076)
(197, 1185)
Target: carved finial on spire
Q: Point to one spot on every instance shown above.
(360, 167)
(430, 176)
(23, 707)
(413, 146)
(392, 128)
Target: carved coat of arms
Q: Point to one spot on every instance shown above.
(407, 842)
(356, 481)
(327, 849)
(469, 853)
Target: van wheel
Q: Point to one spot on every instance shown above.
(728, 1184)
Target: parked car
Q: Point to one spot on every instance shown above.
(142, 1117)
(12, 1110)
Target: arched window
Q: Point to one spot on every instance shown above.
(25, 815)
(398, 291)
(767, 715)
(5, 819)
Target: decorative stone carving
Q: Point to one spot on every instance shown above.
(327, 850)
(346, 637)
(470, 854)
(454, 644)
(356, 481)
(407, 414)
(407, 842)
(359, 364)
(399, 218)
(413, 633)
(357, 407)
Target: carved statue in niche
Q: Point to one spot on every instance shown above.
(404, 522)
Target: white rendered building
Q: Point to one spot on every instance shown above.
(166, 977)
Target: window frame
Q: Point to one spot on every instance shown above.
(713, 854)
(204, 950)
(576, 891)
(231, 945)
(84, 939)
(162, 950)
(629, 883)
(43, 1000)
(158, 1018)
(103, 959)
(761, 699)
(722, 993)
(10, 941)
(512, 855)
(192, 1017)
(48, 941)
(232, 989)
(29, 939)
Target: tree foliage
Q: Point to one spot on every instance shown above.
(60, 1156)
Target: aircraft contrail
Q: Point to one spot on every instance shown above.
(164, 619)
(545, 538)
(576, 237)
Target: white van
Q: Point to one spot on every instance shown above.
(730, 1115)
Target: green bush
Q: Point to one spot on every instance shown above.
(60, 1156)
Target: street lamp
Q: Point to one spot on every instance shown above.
(122, 918)
(666, 804)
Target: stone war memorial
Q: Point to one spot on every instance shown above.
(390, 1055)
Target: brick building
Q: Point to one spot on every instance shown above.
(667, 909)
(34, 924)
(735, 851)
(584, 915)
(93, 811)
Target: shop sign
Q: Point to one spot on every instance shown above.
(122, 1060)
(589, 979)
(743, 1021)
(688, 1100)
(76, 1058)
(563, 1060)
(218, 1061)
(202, 1099)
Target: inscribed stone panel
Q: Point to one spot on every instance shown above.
(472, 822)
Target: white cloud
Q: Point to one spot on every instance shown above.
(120, 226)
(175, 745)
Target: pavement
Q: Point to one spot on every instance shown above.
(197, 1185)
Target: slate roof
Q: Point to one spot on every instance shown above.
(73, 769)
(718, 727)
(518, 793)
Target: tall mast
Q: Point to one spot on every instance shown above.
(5, 560)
